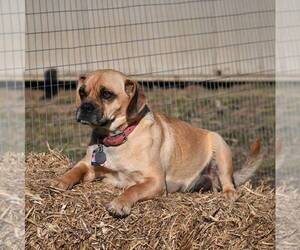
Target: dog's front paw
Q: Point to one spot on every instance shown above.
(61, 183)
(118, 208)
(231, 194)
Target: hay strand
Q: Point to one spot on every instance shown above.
(77, 218)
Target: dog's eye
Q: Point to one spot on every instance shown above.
(107, 95)
(82, 92)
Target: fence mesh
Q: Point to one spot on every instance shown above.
(287, 92)
(287, 124)
(210, 63)
(12, 126)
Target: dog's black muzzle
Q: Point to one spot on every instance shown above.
(89, 114)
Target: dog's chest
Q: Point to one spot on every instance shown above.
(117, 160)
(124, 167)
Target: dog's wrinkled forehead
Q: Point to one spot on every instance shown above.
(109, 79)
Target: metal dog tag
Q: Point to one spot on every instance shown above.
(98, 156)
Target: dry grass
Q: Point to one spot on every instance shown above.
(287, 217)
(12, 201)
(77, 219)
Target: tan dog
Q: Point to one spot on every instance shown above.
(144, 152)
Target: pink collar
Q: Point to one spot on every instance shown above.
(118, 139)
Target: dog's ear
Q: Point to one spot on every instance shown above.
(137, 100)
(80, 83)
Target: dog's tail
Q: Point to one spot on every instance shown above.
(252, 163)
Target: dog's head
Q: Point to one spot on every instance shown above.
(108, 99)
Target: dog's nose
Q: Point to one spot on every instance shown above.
(87, 107)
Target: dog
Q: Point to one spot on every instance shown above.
(144, 152)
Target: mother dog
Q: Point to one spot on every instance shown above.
(146, 153)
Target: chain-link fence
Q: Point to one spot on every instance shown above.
(12, 124)
(287, 92)
(210, 63)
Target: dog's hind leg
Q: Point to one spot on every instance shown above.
(223, 158)
(208, 180)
